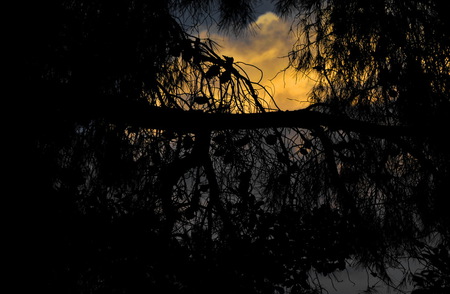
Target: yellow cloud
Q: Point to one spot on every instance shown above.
(267, 48)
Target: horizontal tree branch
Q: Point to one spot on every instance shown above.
(193, 121)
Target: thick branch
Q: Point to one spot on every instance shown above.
(193, 121)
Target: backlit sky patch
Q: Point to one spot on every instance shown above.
(266, 46)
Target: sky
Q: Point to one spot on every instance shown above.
(265, 44)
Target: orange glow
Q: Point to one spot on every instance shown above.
(266, 46)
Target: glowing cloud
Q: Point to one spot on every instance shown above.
(267, 48)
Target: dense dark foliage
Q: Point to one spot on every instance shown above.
(119, 199)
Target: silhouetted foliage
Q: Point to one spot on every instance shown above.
(435, 277)
(156, 164)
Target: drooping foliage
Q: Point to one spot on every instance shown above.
(121, 207)
(385, 62)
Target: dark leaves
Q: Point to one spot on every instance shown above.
(201, 100)
(219, 139)
(303, 151)
(393, 93)
(271, 139)
(213, 71)
(243, 141)
(228, 62)
(188, 142)
(225, 77)
(221, 151)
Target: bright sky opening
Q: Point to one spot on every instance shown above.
(267, 47)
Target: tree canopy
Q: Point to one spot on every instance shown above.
(157, 165)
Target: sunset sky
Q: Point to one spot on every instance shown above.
(266, 45)
(153, 163)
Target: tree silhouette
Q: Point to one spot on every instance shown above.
(157, 165)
